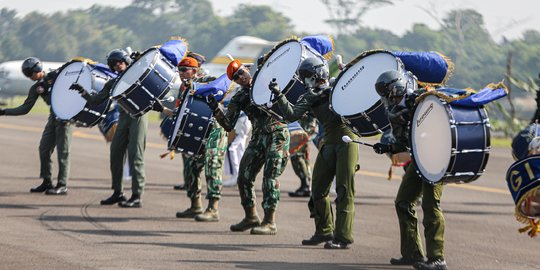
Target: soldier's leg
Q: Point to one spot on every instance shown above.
(46, 148)
(323, 175)
(213, 168)
(300, 164)
(119, 145)
(193, 170)
(250, 165)
(433, 220)
(63, 141)
(136, 147)
(409, 191)
(277, 155)
(346, 160)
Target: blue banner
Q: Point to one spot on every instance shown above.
(485, 96)
(217, 87)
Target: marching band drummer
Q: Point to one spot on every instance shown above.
(392, 87)
(268, 147)
(130, 135)
(335, 157)
(57, 133)
(211, 161)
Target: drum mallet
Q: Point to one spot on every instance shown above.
(348, 139)
(80, 71)
(339, 61)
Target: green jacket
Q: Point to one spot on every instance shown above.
(33, 95)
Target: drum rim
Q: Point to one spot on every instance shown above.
(454, 138)
(75, 119)
(143, 75)
(286, 89)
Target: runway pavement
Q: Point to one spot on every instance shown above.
(75, 232)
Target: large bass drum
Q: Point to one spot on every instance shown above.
(354, 97)
(449, 143)
(145, 82)
(68, 104)
(281, 63)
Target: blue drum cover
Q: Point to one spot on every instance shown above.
(166, 127)
(428, 67)
(174, 50)
(323, 44)
(217, 87)
(523, 179)
(110, 118)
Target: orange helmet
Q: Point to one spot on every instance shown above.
(189, 62)
(232, 68)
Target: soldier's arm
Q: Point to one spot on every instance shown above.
(98, 98)
(228, 119)
(292, 113)
(28, 104)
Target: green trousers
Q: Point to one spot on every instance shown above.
(212, 162)
(270, 150)
(337, 160)
(56, 134)
(131, 136)
(300, 164)
(411, 188)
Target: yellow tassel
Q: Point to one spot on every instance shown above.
(83, 59)
(172, 155)
(439, 95)
(532, 229)
(390, 172)
(329, 54)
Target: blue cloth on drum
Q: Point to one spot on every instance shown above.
(523, 179)
(217, 87)
(428, 67)
(486, 95)
(104, 68)
(321, 43)
(174, 50)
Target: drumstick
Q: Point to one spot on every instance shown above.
(339, 61)
(129, 50)
(80, 71)
(348, 139)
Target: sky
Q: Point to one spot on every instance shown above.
(502, 17)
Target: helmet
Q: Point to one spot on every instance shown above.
(232, 68)
(391, 84)
(117, 55)
(31, 65)
(312, 70)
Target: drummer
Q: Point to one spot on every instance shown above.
(130, 135)
(268, 147)
(211, 160)
(57, 133)
(335, 157)
(391, 86)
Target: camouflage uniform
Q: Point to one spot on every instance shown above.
(335, 158)
(411, 188)
(130, 135)
(300, 158)
(269, 146)
(57, 133)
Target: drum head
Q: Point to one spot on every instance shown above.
(178, 121)
(135, 72)
(282, 65)
(68, 103)
(431, 138)
(354, 91)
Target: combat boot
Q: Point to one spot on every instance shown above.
(45, 185)
(211, 214)
(268, 226)
(250, 220)
(195, 209)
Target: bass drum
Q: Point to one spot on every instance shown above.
(354, 97)
(68, 104)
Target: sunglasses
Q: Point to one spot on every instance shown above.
(184, 69)
(238, 74)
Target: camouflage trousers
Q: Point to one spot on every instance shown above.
(212, 162)
(300, 164)
(270, 150)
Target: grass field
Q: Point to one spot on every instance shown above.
(153, 117)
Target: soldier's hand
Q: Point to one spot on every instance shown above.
(2, 112)
(135, 55)
(274, 87)
(380, 148)
(212, 102)
(77, 87)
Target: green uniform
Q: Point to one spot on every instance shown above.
(268, 147)
(130, 135)
(300, 159)
(411, 188)
(57, 133)
(212, 162)
(335, 158)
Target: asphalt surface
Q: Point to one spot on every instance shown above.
(74, 232)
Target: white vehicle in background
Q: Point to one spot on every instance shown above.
(12, 80)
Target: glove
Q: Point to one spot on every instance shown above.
(77, 87)
(380, 148)
(212, 102)
(135, 55)
(2, 112)
(274, 87)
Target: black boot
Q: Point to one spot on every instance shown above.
(116, 197)
(45, 185)
(303, 191)
(318, 239)
(336, 244)
(58, 190)
(407, 260)
(180, 187)
(133, 202)
(431, 264)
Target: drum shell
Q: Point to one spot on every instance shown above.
(369, 123)
(107, 127)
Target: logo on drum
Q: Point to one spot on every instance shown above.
(352, 78)
(277, 57)
(424, 115)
